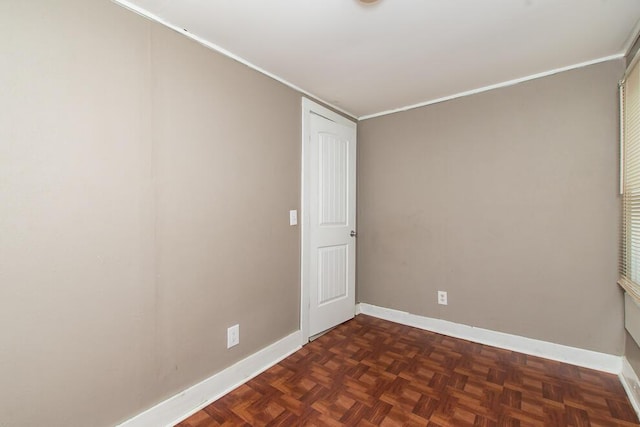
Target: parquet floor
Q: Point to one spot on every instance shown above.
(370, 372)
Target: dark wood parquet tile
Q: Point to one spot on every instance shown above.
(370, 372)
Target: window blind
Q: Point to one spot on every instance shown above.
(630, 179)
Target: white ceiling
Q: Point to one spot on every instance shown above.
(370, 59)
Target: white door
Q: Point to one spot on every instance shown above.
(331, 204)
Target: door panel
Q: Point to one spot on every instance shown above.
(333, 180)
(332, 148)
(333, 277)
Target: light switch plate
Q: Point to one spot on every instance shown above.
(293, 217)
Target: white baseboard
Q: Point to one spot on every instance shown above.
(631, 384)
(191, 400)
(575, 356)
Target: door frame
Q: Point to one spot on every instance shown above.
(309, 107)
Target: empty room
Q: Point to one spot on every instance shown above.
(319, 212)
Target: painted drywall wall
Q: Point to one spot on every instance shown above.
(632, 352)
(145, 184)
(508, 201)
(228, 158)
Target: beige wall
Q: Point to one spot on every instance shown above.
(145, 183)
(505, 199)
(632, 352)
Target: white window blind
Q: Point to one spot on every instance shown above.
(630, 179)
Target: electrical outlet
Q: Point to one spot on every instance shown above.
(442, 298)
(636, 390)
(233, 336)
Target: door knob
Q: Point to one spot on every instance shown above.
(353, 233)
